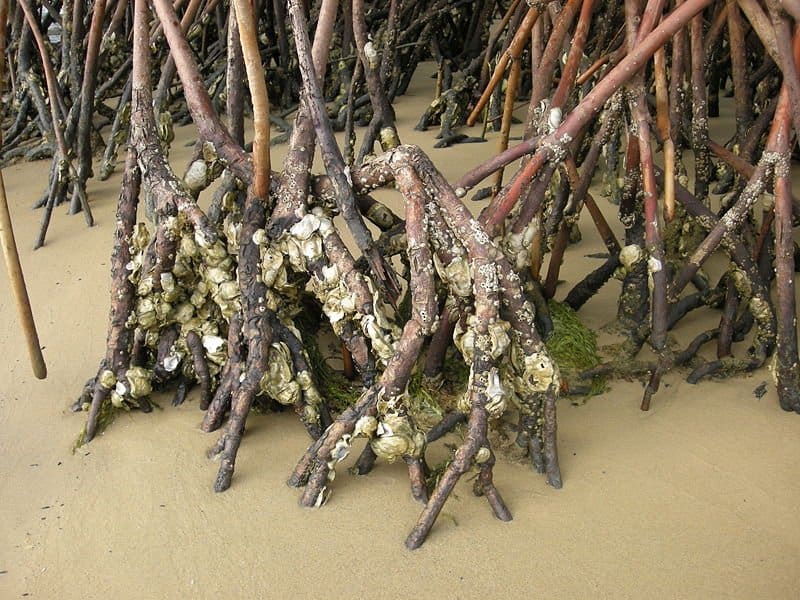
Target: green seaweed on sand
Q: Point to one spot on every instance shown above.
(573, 347)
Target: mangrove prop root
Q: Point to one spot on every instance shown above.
(224, 305)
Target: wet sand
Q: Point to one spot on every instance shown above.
(698, 498)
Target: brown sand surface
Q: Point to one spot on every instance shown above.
(698, 498)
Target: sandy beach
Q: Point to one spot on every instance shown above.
(697, 498)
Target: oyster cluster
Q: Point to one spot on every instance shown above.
(302, 247)
(197, 294)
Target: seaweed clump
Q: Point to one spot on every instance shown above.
(573, 346)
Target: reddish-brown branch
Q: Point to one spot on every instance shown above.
(168, 70)
(508, 113)
(789, 52)
(739, 70)
(197, 99)
(514, 52)
(543, 77)
(554, 144)
(666, 134)
(577, 45)
(248, 37)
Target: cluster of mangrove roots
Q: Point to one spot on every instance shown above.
(71, 74)
(212, 299)
(231, 299)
